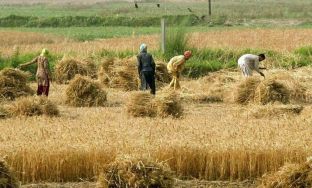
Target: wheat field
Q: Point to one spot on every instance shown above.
(213, 141)
(281, 40)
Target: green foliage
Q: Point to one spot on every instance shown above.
(176, 43)
(202, 62)
(84, 21)
(17, 59)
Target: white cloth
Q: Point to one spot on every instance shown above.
(249, 63)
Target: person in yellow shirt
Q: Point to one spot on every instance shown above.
(176, 66)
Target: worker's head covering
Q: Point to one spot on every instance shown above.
(187, 54)
(143, 48)
(44, 52)
(261, 57)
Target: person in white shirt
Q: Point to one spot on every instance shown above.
(249, 63)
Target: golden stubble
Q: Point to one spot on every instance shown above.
(217, 141)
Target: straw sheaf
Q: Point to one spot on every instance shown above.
(123, 74)
(245, 90)
(66, 69)
(133, 172)
(7, 178)
(169, 104)
(32, 106)
(13, 84)
(165, 104)
(290, 175)
(270, 91)
(84, 92)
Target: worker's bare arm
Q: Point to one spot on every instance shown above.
(29, 63)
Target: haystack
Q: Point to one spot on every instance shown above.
(270, 91)
(168, 104)
(13, 84)
(120, 74)
(290, 175)
(123, 74)
(32, 106)
(245, 90)
(162, 75)
(297, 92)
(7, 178)
(165, 104)
(141, 105)
(140, 173)
(66, 69)
(276, 111)
(83, 91)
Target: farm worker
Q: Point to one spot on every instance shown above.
(175, 67)
(249, 63)
(43, 72)
(146, 69)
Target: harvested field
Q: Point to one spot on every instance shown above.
(217, 141)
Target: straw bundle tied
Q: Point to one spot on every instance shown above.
(66, 69)
(168, 104)
(143, 104)
(83, 91)
(32, 106)
(297, 92)
(270, 90)
(140, 105)
(7, 178)
(123, 74)
(290, 175)
(133, 172)
(13, 84)
(246, 90)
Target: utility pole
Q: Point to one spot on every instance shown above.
(209, 8)
(163, 35)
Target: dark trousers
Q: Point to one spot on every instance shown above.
(43, 90)
(148, 81)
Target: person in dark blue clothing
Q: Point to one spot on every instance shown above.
(146, 69)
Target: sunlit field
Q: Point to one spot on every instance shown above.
(217, 142)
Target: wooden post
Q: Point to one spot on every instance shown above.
(209, 7)
(163, 35)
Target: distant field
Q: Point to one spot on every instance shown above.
(222, 9)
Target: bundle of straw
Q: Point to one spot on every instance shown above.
(32, 106)
(83, 91)
(290, 175)
(66, 69)
(13, 84)
(271, 90)
(133, 172)
(245, 90)
(7, 178)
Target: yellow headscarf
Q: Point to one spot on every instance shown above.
(44, 52)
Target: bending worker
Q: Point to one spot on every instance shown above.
(249, 63)
(43, 72)
(146, 69)
(175, 67)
